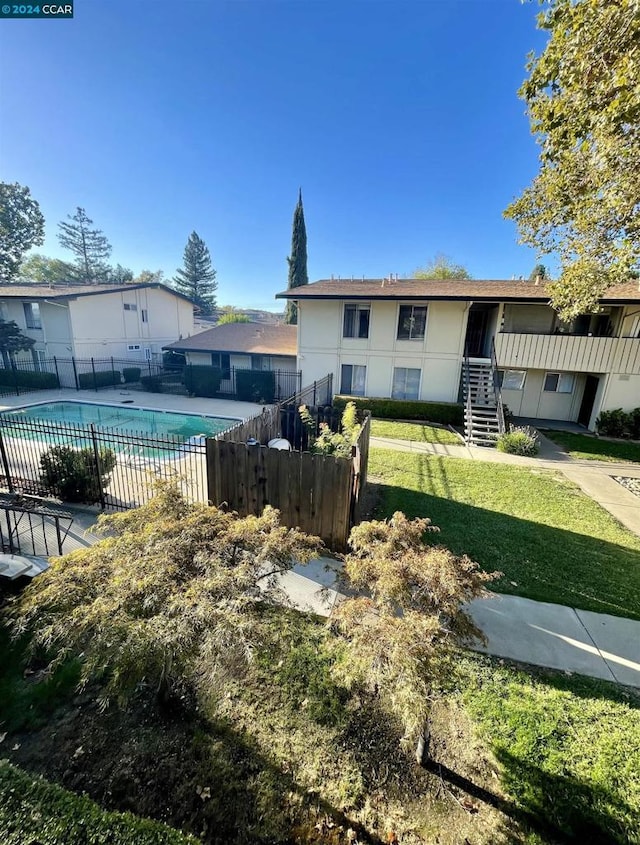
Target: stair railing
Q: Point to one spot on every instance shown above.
(468, 423)
(502, 427)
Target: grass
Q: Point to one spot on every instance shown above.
(288, 753)
(568, 748)
(551, 541)
(414, 432)
(586, 448)
(35, 811)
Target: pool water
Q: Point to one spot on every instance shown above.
(124, 419)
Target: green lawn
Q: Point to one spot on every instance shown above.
(35, 811)
(568, 748)
(586, 448)
(551, 541)
(414, 431)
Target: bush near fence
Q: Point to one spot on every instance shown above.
(130, 374)
(28, 379)
(201, 380)
(256, 386)
(445, 413)
(105, 378)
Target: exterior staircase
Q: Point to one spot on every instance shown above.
(483, 412)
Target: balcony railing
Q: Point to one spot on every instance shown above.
(568, 353)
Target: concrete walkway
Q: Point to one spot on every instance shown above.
(539, 633)
(595, 478)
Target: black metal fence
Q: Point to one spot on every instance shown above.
(93, 465)
(24, 376)
(317, 393)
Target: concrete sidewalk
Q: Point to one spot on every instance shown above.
(543, 634)
(595, 478)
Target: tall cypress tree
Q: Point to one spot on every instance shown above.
(197, 279)
(297, 261)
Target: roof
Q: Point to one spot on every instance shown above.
(73, 291)
(476, 290)
(256, 338)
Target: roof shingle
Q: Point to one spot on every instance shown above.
(254, 338)
(478, 290)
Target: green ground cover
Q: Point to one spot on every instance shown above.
(551, 541)
(414, 432)
(568, 748)
(35, 811)
(586, 448)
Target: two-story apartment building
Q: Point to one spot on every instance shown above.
(98, 321)
(409, 339)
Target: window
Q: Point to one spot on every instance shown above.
(222, 361)
(133, 347)
(406, 383)
(147, 353)
(145, 315)
(559, 382)
(32, 315)
(412, 322)
(130, 306)
(352, 379)
(356, 321)
(259, 362)
(4, 311)
(511, 379)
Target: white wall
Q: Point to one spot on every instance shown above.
(102, 328)
(534, 401)
(322, 349)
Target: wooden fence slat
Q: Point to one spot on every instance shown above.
(307, 472)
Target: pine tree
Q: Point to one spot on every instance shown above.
(539, 270)
(197, 279)
(89, 246)
(298, 275)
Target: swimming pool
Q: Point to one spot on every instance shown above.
(123, 419)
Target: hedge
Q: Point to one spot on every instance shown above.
(131, 374)
(33, 810)
(619, 423)
(256, 386)
(152, 383)
(103, 378)
(27, 378)
(445, 413)
(201, 380)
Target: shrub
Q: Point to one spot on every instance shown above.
(328, 442)
(27, 378)
(256, 386)
(70, 474)
(152, 383)
(445, 413)
(170, 601)
(102, 378)
(619, 423)
(131, 374)
(519, 441)
(201, 380)
(33, 810)
(173, 360)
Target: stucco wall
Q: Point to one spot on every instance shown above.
(323, 349)
(534, 401)
(101, 326)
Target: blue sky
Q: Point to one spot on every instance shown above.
(400, 121)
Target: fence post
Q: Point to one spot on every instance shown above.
(113, 373)
(149, 365)
(96, 456)
(315, 402)
(93, 367)
(55, 364)
(5, 464)
(75, 372)
(16, 383)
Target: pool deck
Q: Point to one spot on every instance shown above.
(141, 399)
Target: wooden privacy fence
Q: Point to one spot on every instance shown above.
(319, 494)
